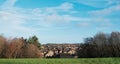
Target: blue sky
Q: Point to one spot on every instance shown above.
(58, 21)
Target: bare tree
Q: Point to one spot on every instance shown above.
(31, 51)
(3, 44)
(14, 47)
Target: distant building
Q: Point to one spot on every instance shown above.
(60, 50)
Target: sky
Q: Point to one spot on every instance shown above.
(58, 21)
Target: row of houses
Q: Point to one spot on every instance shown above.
(60, 50)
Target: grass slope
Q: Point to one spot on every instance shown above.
(62, 61)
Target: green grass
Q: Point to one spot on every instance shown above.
(62, 61)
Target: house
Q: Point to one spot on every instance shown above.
(60, 50)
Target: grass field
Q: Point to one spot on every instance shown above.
(62, 61)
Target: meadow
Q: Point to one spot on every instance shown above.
(62, 61)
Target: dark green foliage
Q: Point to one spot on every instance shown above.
(34, 40)
(101, 45)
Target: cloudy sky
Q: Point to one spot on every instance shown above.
(58, 21)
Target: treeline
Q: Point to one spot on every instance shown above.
(19, 47)
(101, 45)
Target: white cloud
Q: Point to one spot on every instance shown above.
(12, 22)
(105, 17)
(9, 4)
(13, 19)
(84, 24)
(106, 11)
(96, 3)
(48, 17)
(64, 7)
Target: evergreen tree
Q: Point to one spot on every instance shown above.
(34, 40)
